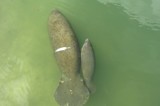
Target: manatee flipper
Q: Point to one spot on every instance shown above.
(72, 92)
(87, 64)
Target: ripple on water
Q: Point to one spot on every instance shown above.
(145, 12)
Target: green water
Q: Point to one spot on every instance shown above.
(125, 36)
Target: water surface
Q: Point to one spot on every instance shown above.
(124, 35)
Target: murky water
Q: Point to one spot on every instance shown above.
(124, 35)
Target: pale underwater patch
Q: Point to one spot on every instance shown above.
(14, 87)
(145, 12)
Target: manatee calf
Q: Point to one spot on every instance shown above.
(72, 90)
(88, 64)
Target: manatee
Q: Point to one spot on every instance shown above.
(65, 44)
(72, 89)
(88, 65)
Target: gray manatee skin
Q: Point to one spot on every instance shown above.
(65, 44)
(88, 65)
(71, 90)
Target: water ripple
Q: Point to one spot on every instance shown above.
(145, 12)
